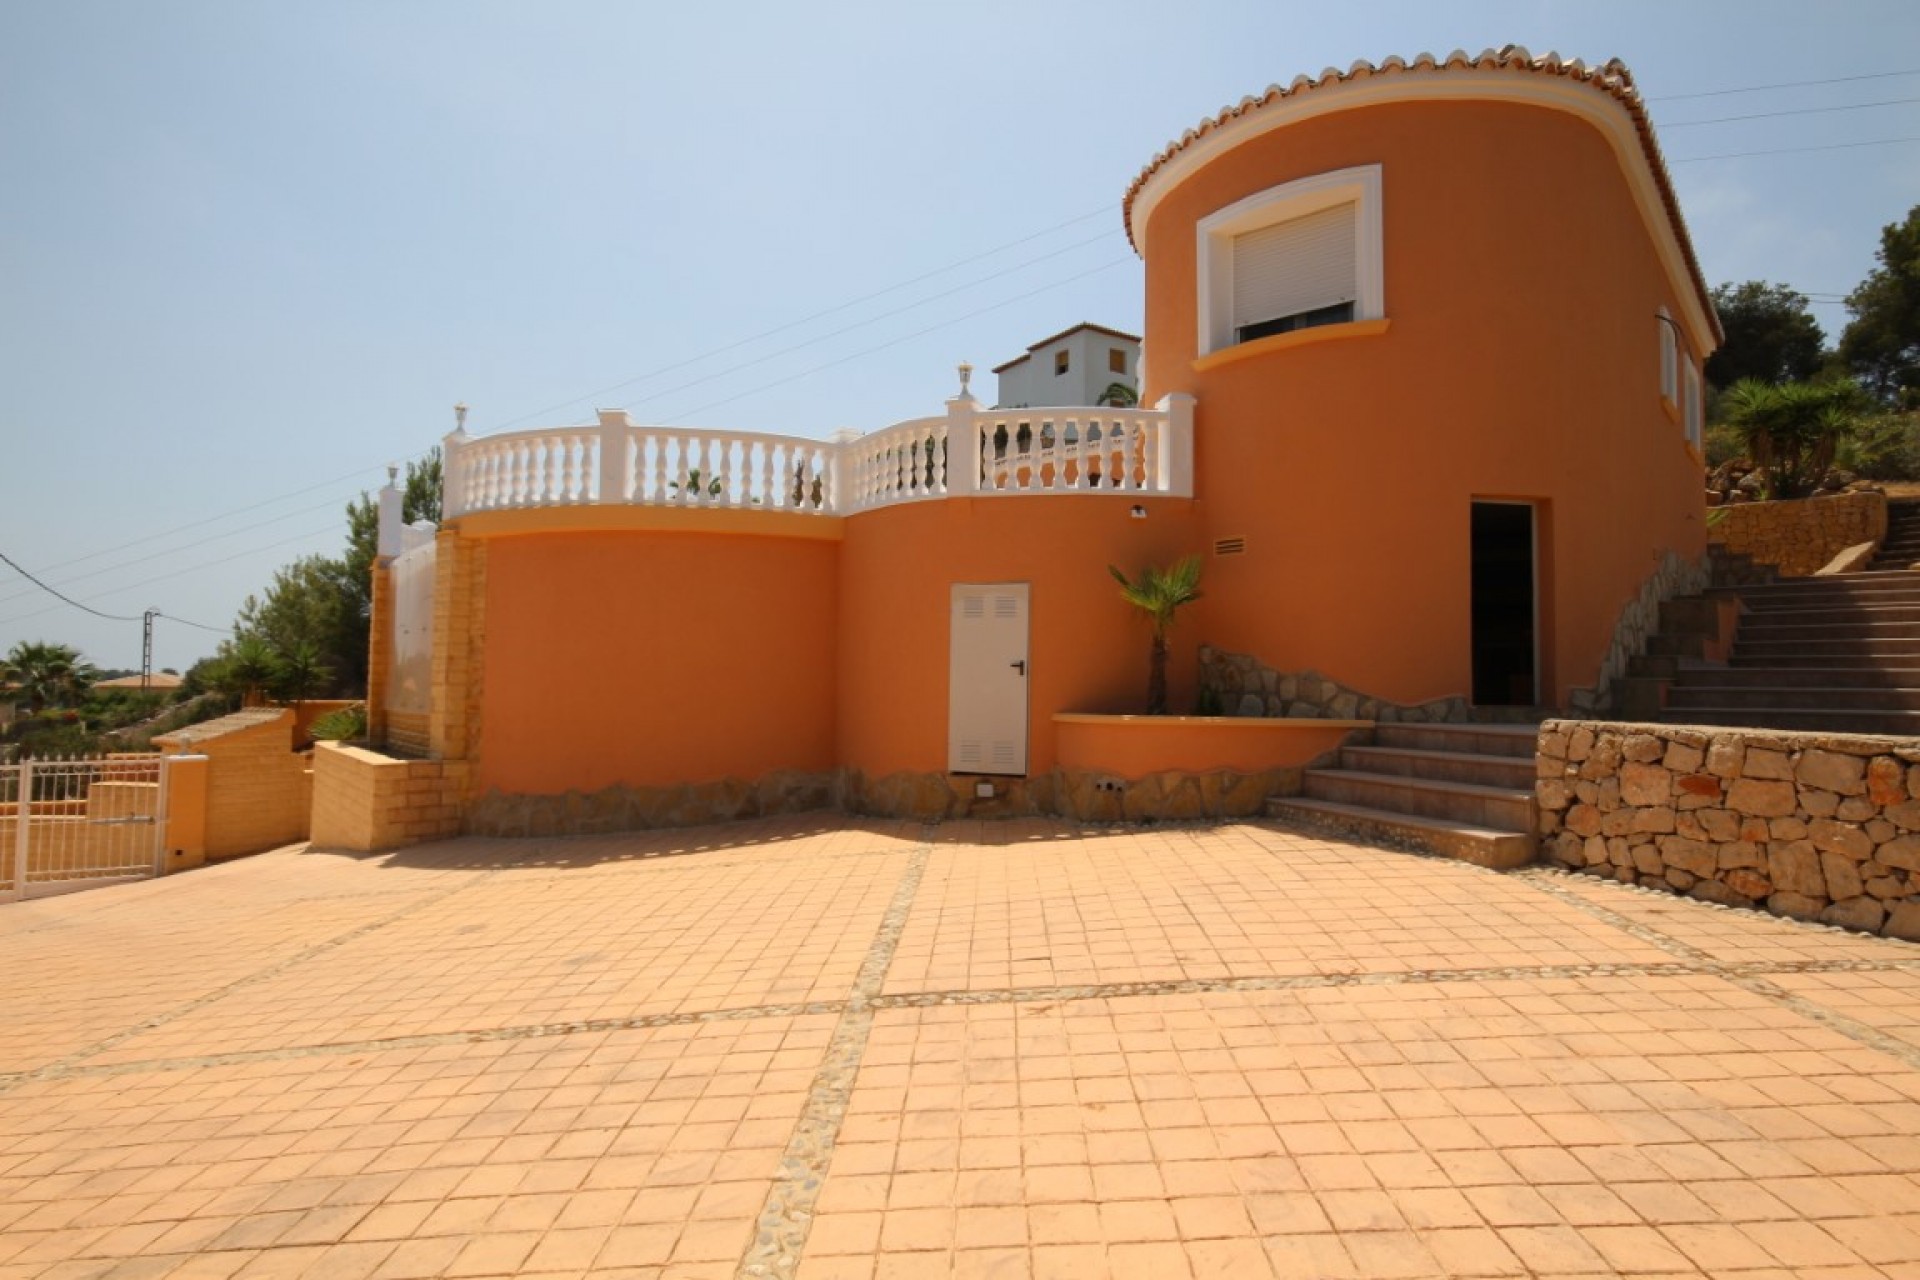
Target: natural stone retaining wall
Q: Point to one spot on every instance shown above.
(1799, 538)
(1818, 827)
(1245, 686)
(648, 808)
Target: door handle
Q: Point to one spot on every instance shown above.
(1020, 666)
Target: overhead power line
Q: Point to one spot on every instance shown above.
(173, 551)
(1797, 111)
(1783, 84)
(817, 315)
(944, 324)
(705, 355)
(1782, 151)
(11, 563)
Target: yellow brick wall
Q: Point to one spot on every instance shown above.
(459, 624)
(365, 802)
(409, 733)
(379, 652)
(258, 788)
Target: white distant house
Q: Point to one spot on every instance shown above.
(1074, 367)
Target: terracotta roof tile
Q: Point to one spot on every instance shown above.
(1611, 78)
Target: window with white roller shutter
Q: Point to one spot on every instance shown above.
(1295, 274)
(1296, 256)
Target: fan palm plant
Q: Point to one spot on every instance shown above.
(1158, 594)
(49, 674)
(1792, 431)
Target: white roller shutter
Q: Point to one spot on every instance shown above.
(1295, 266)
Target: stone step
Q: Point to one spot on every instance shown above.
(1876, 587)
(1847, 612)
(1905, 723)
(1840, 626)
(1512, 772)
(1821, 661)
(1475, 739)
(1809, 696)
(1802, 677)
(1880, 648)
(1482, 846)
(1499, 808)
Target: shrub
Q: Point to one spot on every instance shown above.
(1884, 447)
(345, 725)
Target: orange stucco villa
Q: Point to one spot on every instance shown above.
(1422, 349)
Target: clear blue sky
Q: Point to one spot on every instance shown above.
(251, 252)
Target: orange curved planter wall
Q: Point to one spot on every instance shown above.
(1520, 361)
(655, 658)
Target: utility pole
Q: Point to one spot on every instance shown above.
(146, 648)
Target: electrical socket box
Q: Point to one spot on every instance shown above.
(983, 790)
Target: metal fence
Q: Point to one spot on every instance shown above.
(77, 824)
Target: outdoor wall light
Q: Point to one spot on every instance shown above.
(1137, 511)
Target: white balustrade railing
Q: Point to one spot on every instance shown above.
(970, 451)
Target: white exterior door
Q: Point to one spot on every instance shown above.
(987, 685)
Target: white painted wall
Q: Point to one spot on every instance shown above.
(1033, 381)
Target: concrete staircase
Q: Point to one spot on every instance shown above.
(1463, 790)
(1901, 547)
(1838, 654)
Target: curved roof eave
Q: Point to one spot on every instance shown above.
(1611, 79)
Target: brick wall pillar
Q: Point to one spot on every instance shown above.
(379, 649)
(459, 623)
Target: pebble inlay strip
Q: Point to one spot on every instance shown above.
(65, 1066)
(1748, 977)
(780, 1234)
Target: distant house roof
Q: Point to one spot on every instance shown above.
(158, 680)
(1092, 328)
(1610, 78)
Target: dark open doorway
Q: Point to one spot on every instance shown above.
(1503, 605)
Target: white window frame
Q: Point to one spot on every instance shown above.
(1669, 359)
(1694, 410)
(1359, 186)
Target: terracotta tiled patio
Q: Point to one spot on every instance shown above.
(832, 1048)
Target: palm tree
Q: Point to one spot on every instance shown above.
(1791, 431)
(1119, 395)
(249, 668)
(1159, 593)
(299, 671)
(53, 674)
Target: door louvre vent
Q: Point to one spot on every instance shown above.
(1230, 546)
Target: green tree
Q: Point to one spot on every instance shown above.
(247, 668)
(1771, 336)
(49, 675)
(1159, 594)
(312, 620)
(1881, 345)
(1792, 431)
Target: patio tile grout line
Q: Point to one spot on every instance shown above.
(431, 1040)
(1746, 978)
(65, 1065)
(1734, 970)
(786, 1217)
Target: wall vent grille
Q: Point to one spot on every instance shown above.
(1230, 546)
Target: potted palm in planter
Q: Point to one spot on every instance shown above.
(1158, 594)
